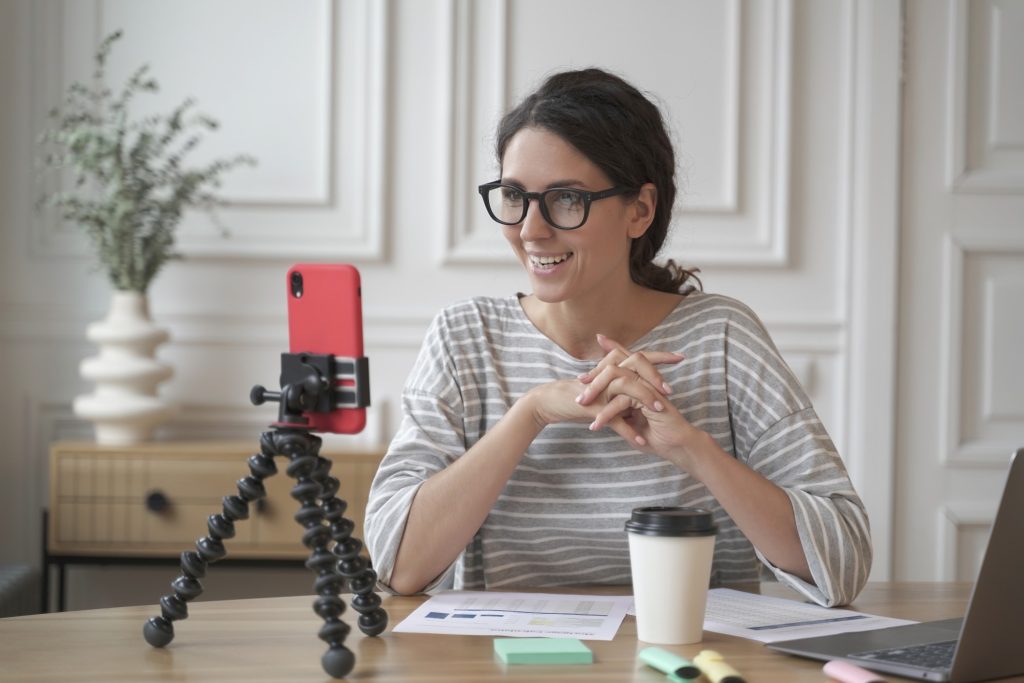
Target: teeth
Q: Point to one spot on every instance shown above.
(549, 260)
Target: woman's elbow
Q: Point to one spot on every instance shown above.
(402, 584)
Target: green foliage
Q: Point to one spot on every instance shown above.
(130, 182)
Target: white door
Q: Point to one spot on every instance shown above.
(960, 407)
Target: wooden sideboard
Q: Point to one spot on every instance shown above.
(150, 502)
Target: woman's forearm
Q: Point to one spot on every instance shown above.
(760, 508)
(452, 505)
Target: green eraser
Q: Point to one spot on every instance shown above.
(543, 651)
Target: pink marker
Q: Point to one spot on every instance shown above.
(850, 673)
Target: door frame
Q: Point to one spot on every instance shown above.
(873, 292)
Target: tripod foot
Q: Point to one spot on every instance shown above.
(338, 661)
(158, 632)
(374, 622)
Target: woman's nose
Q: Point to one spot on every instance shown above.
(534, 226)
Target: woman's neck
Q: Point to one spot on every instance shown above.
(624, 317)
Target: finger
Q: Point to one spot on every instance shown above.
(611, 381)
(639, 364)
(616, 380)
(609, 345)
(638, 389)
(610, 360)
(641, 361)
(663, 357)
(618, 406)
(618, 355)
(598, 384)
(619, 425)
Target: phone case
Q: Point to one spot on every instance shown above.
(325, 316)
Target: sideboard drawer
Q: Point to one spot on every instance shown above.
(106, 500)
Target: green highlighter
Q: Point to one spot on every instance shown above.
(679, 669)
(542, 651)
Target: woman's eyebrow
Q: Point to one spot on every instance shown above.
(564, 182)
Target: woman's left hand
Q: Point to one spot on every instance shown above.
(625, 382)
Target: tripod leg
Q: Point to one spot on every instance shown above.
(159, 631)
(302, 449)
(362, 579)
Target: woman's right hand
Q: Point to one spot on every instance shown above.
(555, 402)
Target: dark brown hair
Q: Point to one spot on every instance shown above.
(619, 129)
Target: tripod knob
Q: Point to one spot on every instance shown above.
(260, 395)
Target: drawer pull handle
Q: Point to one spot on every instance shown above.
(157, 501)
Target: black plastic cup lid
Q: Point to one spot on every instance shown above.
(671, 521)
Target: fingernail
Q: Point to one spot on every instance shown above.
(593, 426)
(658, 406)
(640, 440)
(666, 388)
(579, 399)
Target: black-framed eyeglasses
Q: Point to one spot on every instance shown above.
(565, 208)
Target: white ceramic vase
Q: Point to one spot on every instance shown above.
(125, 407)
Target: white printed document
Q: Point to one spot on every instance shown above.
(767, 619)
(537, 615)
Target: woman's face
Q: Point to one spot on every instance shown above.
(565, 265)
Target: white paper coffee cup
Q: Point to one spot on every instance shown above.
(670, 553)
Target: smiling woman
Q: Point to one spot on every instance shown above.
(534, 424)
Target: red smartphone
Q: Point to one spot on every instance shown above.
(325, 316)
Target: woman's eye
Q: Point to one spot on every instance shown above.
(567, 199)
(511, 195)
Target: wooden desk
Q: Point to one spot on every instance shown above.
(274, 639)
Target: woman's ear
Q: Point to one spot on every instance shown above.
(642, 210)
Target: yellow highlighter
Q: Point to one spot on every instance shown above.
(714, 667)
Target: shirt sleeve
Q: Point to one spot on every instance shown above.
(778, 434)
(798, 455)
(431, 436)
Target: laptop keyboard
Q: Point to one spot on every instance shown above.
(927, 656)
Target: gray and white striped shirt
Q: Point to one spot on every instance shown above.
(560, 518)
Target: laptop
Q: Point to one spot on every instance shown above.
(987, 643)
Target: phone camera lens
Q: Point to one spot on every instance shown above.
(297, 285)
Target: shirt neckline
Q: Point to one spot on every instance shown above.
(639, 344)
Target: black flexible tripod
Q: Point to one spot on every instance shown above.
(307, 385)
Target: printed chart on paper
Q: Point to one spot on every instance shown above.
(587, 617)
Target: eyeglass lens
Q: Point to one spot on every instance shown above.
(563, 208)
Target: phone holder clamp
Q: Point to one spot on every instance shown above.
(316, 383)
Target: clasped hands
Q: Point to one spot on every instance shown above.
(626, 393)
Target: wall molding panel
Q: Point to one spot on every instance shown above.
(985, 113)
(957, 524)
(983, 327)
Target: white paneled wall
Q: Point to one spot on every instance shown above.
(372, 121)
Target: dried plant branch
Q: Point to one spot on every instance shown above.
(131, 181)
